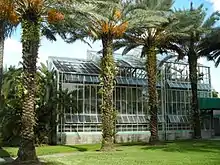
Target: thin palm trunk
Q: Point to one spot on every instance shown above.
(151, 67)
(192, 60)
(1, 55)
(108, 71)
(30, 45)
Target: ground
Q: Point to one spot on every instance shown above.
(171, 153)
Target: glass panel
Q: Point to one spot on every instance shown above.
(81, 118)
(94, 119)
(118, 94)
(87, 107)
(135, 119)
(75, 118)
(139, 94)
(123, 93)
(68, 118)
(134, 94)
(129, 94)
(134, 106)
(129, 108)
(131, 119)
(99, 119)
(93, 92)
(87, 92)
(141, 119)
(87, 119)
(93, 107)
(80, 106)
(171, 118)
(123, 108)
(174, 97)
(118, 106)
(125, 119)
(80, 92)
(119, 119)
(174, 109)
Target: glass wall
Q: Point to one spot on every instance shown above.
(130, 100)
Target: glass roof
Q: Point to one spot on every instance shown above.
(75, 66)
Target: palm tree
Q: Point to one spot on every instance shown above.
(106, 24)
(202, 41)
(155, 28)
(31, 14)
(7, 24)
(209, 46)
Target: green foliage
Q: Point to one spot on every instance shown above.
(214, 93)
(47, 100)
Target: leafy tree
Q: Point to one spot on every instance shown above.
(31, 14)
(7, 24)
(201, 42)
(47, 100)
(154, 28)
(104, 22)
(214, 93)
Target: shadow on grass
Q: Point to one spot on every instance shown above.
(5, 156)
(40, 163)
(78, 148)
(188, 146)
(132, 144)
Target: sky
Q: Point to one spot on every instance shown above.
(79, 50)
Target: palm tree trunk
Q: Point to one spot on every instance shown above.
(108, 72)
(1, 55)
(151, 67)
(192, 60)
(30, 45)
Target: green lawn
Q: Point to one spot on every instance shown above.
(172, 153)
(48, 150)
(178, 153)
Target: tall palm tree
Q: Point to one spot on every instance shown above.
(155, 28)
(105, 23)
(31, 14)
(203, 41)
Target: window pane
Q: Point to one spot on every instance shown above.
(134, 94)
(129, 93)
(93, 92)
(125, 119)
(81, 119)
(87, 107)
(80, 106)
(87, 92)
(93, 107)
(80, 92)
(129, 108)
(123, 93)
(94, 119)
(118, 94)
(123, 108)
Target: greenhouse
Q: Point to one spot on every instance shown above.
(82, 124)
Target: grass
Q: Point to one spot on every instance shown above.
(48, 150)
(172, 153)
